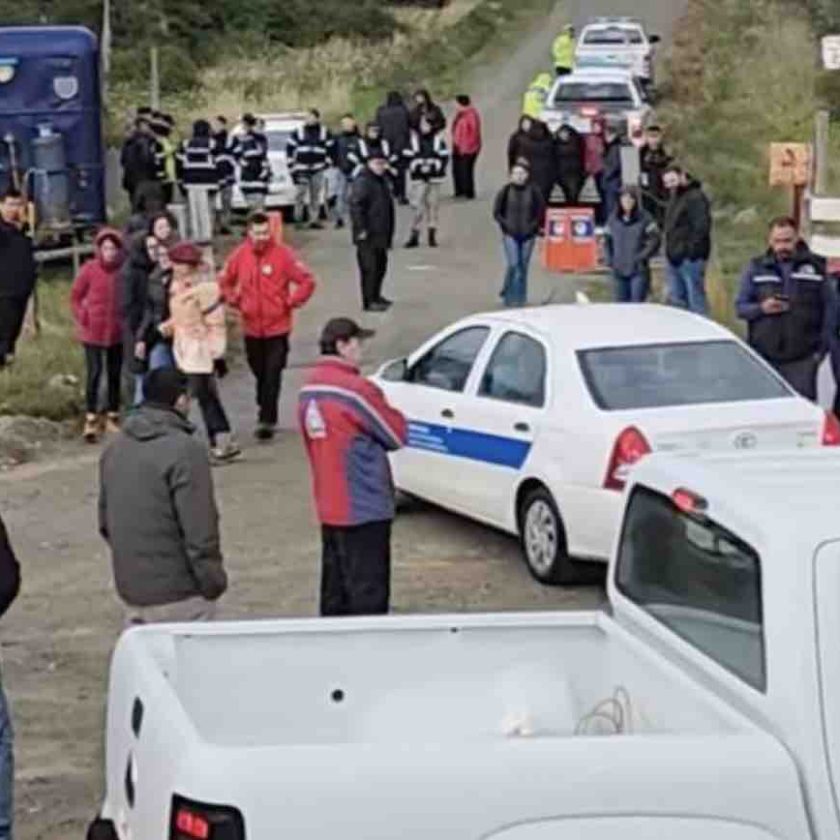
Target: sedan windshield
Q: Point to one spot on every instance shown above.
(660, 375)
(613, 92)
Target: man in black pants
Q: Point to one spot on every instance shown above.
(17, 273)
(348, 429)
(372, 213)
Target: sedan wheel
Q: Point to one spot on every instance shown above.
(544, 539)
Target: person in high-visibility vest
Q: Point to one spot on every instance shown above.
(563, 51)
(536, 95)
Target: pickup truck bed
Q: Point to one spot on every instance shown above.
(419, 727)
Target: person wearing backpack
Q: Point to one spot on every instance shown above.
(519, 211)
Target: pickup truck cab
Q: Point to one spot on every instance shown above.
(589, 94)
(702, 705)
(618, 42)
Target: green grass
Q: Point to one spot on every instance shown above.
(24, 387)
(742, 75)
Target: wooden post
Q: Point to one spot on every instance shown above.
(154, 79)
(821, 153)
(798, 198)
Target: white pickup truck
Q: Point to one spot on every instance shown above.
(703, 704)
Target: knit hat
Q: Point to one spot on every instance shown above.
(186, 253)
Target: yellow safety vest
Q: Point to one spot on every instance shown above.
(563, 51)
(536, 96)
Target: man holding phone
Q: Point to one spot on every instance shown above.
(789, 304)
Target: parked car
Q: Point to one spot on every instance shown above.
(703, 705)
(530, 419)
(589, 94)
(282, 192)
(618, 42)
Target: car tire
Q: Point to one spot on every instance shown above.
(543, 539)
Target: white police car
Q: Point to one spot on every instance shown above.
(529, 419)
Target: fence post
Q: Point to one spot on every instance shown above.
(821, 153)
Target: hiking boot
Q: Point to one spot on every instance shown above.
(264, 431)
(413, 240)
(91, 430)
(112, 423)
(433, 238)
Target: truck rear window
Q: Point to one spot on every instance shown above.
(686, 373)
(698, 579)
(604, 92)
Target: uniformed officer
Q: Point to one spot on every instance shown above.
(310, 151)
(251, 151)
(198, 173)
(563, 50)
(537, 95)
(790, 307)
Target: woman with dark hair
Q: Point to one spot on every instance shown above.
(95, 302)
(632, 239)
(466, 145)
(536, 146)
(518, 141)
(424, 106)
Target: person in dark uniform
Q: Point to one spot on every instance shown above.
(395, 121)
(790, 306)
(19, 271)
(654, 159)
(372, 215)
(348, 429)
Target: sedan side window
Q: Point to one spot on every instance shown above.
(516, 371)
(447, 365)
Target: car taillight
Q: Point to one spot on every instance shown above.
(630, 447)
(589, 112)
(688, 501)
(199, 821)
(831, 430)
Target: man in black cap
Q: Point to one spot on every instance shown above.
(349, 428)
(372, 215)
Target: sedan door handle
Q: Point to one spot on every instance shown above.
(448, 413)
(522, 427)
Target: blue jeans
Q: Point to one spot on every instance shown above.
(159, 357)
(7, 770)
(687, 285)
(631, 288)
(518, 254)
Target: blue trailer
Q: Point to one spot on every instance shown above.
(51, 142)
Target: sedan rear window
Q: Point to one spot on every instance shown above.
(617, 92)
(689, 373)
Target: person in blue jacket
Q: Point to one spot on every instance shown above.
(790, 306)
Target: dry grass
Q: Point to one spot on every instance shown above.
(742, 76)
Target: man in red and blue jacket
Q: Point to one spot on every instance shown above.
(349, 428)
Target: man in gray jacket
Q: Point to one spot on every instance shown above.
(157, 510)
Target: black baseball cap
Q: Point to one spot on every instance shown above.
(343, 329)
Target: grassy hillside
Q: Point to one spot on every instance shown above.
(741, 76)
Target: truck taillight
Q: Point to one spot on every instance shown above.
(587, 111)
(831, 430)
(199, 821)
(630, 447)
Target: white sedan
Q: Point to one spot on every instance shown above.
(530, 419)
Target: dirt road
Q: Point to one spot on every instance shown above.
(57, 639)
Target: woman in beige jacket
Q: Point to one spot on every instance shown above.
(197, 328)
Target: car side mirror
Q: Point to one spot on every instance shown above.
(396, 371)
(655, 39)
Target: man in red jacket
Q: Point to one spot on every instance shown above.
(349, 428)
(466, 144)
(266, 282)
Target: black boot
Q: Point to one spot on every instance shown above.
(413, 240)
(433, 238)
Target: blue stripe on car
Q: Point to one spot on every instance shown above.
(463, 443)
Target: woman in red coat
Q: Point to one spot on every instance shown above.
(466, 144)
(95, 300)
